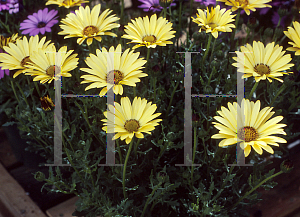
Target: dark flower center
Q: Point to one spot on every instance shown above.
(3, 1)
(90, 30)
(41, 24)
(247, 134)
(131, 125)
(243, 2)
(51, 70)
(149, 38)
(118, 76)
(262, 69)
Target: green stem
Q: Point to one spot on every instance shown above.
(170, 103)
(149, 198)
(23, 94)
(87, 121)
(13, 87)
(154, 88)
(274, 37)
(192, 44)
(190, 23)
(277, 94)
(134, 92)
(124, 169)
(37, 89)
(120, 154)
(252, 91)
(70, 159)
(212, 51)
(148, 56)
(207, 49)
(122, 12)
(234, 30)
(33, 101)
(223, 185)
(136, 146)
(253, 189)
(165, 12)
(179, 25)
(298, 68)
(194, 153)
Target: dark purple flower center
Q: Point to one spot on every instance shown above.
(3, 1)
(41, 24)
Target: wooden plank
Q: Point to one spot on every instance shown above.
(64, 209)
(284, 199)
(7, 156)
(13, 200)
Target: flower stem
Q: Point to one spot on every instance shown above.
(120, 154)
(37, 89)
(13, 87)
(253, 89)
(234, 30)
(165, 12)
(149, 198)
(124, 169)
(212, 51)
(135, 147)
(194, 153)
(122, 11)
(22, 94)
(253, 189)
(87, 121)
(179, 25)
(277, 94)
(207, 49)
(170, 103)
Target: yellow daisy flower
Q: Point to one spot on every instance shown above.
(247, 5)
(255, 132)
(87, 24)
(149, 33)
(293, 34)
(44, 64)
(66, 3)
(130, 120)
(5, 41)
(262, 62)
(126, 69)
(215, 21)
(19, 54)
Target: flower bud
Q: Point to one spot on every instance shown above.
(252, 23)
(196, 120)
(8, 111)
(78, 154)
(215, 63)
(278, 32)
(162, 177)
(268, 32)
(220, 54)
(295, 11)
(39, 176)
(199, 36)
(282, 12)
(286, 166)
(165, 3)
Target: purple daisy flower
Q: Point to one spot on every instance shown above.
(13, 6)
(152, 5)
(3, 71)
(4, 4)
(206, 2)
(39, 22)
